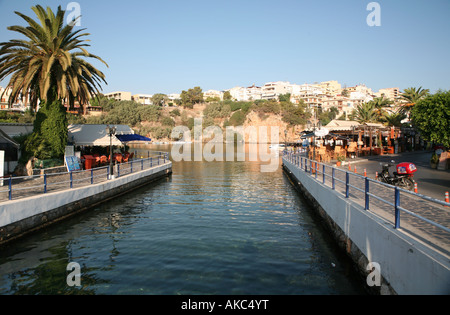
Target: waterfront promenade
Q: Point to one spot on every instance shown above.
(433, 183)
(27, 186)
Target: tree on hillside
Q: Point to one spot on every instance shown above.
(49, 67)
(191, 97)
(227, 96)
(159, 99)
(284, 97)
(431, 116)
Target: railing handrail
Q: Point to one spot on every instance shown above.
(153, 160)
(302, 163)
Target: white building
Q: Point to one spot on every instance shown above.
(272, 90)
(392, 94)
(213, 94)
(144, 99)
(173, 96)
(360, 97)
(21, 104)
(311, 94)
(331, 88)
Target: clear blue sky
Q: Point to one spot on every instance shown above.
(173, 45)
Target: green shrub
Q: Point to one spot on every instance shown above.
(49, 137)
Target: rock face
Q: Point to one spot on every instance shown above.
(272, 121)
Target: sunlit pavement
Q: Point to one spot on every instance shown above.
(430, 182)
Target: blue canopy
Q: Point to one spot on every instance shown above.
(132, 137)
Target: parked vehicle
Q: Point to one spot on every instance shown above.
(404, 177)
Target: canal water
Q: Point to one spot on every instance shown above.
(215, 228)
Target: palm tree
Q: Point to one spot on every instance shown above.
(394, 119)
(379, 103)
(365, 113)
(49, 65)
(412, 96)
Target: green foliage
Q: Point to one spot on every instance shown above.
(167, 121)
(159, 99)
(49, 63)
(217, 110)
(49, 137)
(293, 114)
(366, 113)
(191, 97)
(394, 119)
(285, 97)
(266, 107)
(431, 116)
(413, 95)
(175, 113)
(126, 113)
(238, 118)
(227, 95)
(75, 119)
(244, 106)
(328, 115)
(161, 132)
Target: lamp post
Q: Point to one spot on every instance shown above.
(111, 131)
(314, 125)
(285, 139)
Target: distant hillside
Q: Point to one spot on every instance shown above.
(158, 122)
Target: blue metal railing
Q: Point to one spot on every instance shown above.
(25, 186)
(314, 168)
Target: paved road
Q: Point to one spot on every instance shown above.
(430, 182)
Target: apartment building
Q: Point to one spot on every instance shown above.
(391, 94)
(311, 94)
(342, 103)
(360, 88)
(272, 90)
(119, 96)
(330, 88)
(246, 94)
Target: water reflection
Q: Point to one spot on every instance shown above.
(211, 228)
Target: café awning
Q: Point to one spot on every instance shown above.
(95, 135)
(132, 137)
